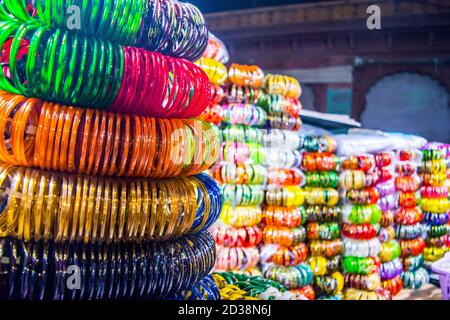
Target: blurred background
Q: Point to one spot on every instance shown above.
(393, 79)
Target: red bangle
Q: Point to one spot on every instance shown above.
(365, 231)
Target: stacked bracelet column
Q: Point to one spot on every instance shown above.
(361, 218)
(391, 265)
(324, 222)
(408, 219)
(284, 253)
(435, 203)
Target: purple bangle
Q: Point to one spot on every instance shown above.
(387, 203)
(386, 188)
(391, 269)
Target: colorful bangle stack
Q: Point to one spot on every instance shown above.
(148, 270)
(98, 213)
(153, 25)
(391, 267)
(408, 220)
(361, 217)
(435, 203)
(284, 254)
(241, 175)
(324, 218)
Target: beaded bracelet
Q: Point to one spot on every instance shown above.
(154, 25)
(247, 174)
(46, 205)
(237, 237)
(289, 196)
(291, 277)
(236, 258)
(283, 85)
(241, 216)
(284, 216)
(284, 236)
(41, 268)
(51, 136)
(105, 76)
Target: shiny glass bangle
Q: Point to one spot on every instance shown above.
(352, 179)
(319, 144)
(205, 289)
(408, 216)
(248, 174)
(361, 214)
(368, 282)
(284, 236)
(389, 251)
(290, 196)
(237, 237)
(215, 70)
(283, 85)
(324, 179)
(278, 104)
(242, 195)
(238, 152)
(322, 266)
(415, 279)
(325, 248)
(324, 214)
(391, 269)
(64, 144)
(412, 247)
(284, 216)
(326, 231)
(323, 161)
(356, 294)
(241, 216)
(361, 265)
(361, 248)
(80, 208)
(364, 231)
(236, 258)
(329, 285)
(291, 277)
(321, 196)
(394, 285)
(363, 163)
(248, 114)
(235, 93)
(44, 267)
(281, 255)
(366, 196)
(246, 75)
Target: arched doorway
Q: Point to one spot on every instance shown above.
(410, 103)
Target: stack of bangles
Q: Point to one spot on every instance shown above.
(288, 196)
(284, 216)
(285, 256)
(366, 196)
(356, 294)
(44, 205)
(242, 195)
(245, 75)
(231, 173)
(325, 179)
(215, 70)
(322, 265)
(216, 49)
(151, 24)
(239, 152)
(235, 93)
(318, 144)
(236, 258)
(237, 237)
(283, 158)
(241, 216)
(361, 248)
(320, 162)
(359, 265)
(363, 163)
(67, 139)
(283, 85)
(205, 289)
(329, 285)
(278, 104)
(323, 231)
(354, 179)
(284, 236)
(64, 67)
(149, 270)
(321, 196)
(291, 277)
(326, 248)
(284, 122)
(318, 213)
(358, 214)
(285, 176)
(248, 114)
